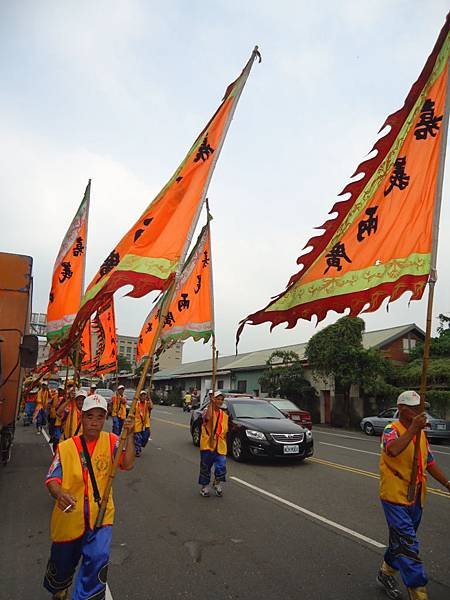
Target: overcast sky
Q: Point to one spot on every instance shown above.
(117, 91)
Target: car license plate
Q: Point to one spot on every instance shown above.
(291, 449)
(441, 426)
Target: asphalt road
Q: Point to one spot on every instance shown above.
(282, 530)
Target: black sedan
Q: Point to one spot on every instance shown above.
(258, 429)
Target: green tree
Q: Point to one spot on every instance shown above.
(337, 351)
(440, 345)
(285, 377)
(123, 364)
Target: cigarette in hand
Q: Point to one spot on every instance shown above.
(67, 507)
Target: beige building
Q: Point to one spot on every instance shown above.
(170, 359)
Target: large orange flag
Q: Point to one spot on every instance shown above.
(191, 312)
(104, 326)
(68, 275)
(148, 256)
(383, 241)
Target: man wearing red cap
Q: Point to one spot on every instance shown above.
(77, 479)
(402, 516)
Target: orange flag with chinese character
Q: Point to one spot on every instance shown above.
(191, 312)
(383, 241)
(148, 256)
(104, 327)
(68, 275)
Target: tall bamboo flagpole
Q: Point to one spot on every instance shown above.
(412, 488)
(149, 361)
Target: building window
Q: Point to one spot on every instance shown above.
(242, 386)
(408, 344)
(220, 384)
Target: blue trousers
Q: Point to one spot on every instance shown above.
(403, 551)
(29, 412)
(208, 460)
(93, 549)
(117, 425)
(141, 439)
(41, 419)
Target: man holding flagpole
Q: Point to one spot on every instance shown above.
(77, 479)
(403, 517)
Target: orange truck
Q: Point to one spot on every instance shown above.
(18, 349)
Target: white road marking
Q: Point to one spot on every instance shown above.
(353, 449)
(367, 439)
(311, 514)
(47, 438)
(349, 437)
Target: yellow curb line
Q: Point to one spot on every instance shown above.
(327, 463)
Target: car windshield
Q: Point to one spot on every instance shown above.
(433, 415)
(284, 404)
(256, 410)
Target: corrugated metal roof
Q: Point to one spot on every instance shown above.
(252, 360)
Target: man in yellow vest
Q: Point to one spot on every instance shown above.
(40, 411)
(52, 405)
(70, 413)
(403, 517)
(119, 409)
(213, 446)
(77, 479)
(144, 407)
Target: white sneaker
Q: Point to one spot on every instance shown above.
(218, 490)
(205, 492)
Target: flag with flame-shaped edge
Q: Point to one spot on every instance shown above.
(383, 240)
(104, 327)
(68, 275)
(191, 312)
(148, 256)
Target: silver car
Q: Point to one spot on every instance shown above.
(436, 429)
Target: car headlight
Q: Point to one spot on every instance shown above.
(308, 435)
(255, 435)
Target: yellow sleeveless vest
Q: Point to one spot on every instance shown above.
(141, 422)
(72, 425)
(395, 471)
(119, 409)
(220, 441)
(68, 526)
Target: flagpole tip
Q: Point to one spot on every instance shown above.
(257, 54)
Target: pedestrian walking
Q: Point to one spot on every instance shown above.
(77, 479)
(402, 516)
(30, 406)
(70, 413)
(144, 407)
(39, 416)
(119, 409)
(213, 446)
